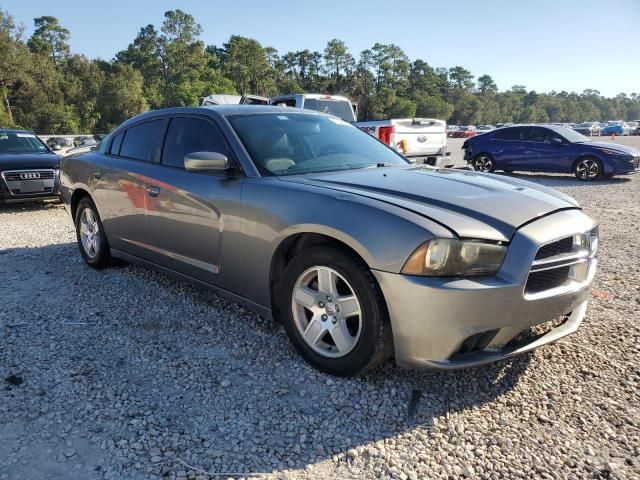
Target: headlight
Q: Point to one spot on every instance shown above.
(611, 152)
(445, 257)
(587, 241)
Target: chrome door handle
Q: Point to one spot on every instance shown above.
(153, 191)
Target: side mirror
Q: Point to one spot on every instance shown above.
(557, 141)
(56, 148)
(206, 162)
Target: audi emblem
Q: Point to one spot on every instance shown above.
(29, 176)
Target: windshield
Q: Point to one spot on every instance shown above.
(21, 142)
(339, 108)
(298, 143)
(571, 135)
(584, 125)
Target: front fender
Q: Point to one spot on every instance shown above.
(383, 235)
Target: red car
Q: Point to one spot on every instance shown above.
(464, 132)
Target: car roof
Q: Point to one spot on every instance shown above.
(217, 110)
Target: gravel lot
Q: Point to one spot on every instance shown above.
(126, 373)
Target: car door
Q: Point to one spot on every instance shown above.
(546, 150)
(119, 186)
(186, 210)
(506, 146)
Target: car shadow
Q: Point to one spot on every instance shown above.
(166, 365)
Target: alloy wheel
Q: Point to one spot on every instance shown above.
(326, 311)
(587, 169)
(89, 233)
(483, 164)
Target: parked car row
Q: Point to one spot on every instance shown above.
(350, 294)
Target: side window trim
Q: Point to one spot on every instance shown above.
(113, 140)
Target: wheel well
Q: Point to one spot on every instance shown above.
(292, 246)
(78, 194)
(484, 153)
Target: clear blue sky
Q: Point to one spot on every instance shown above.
(542, 44)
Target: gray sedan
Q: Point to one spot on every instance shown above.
(362, 256)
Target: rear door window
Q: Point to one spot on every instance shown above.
(540, 135)
(143, 141)
(187, 135)
(514, 133)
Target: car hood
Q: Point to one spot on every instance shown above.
(614, 146)
(29, 160)
(470, 204)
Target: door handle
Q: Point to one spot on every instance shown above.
(153, 191)
(97, 174)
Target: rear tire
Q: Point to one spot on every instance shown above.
(319, 286)
(484, 162)
(92, 240)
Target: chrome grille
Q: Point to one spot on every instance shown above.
(558, 247)
(30, 182)
(547, 279)
(636, 162)
(554, 264)
(20, 175)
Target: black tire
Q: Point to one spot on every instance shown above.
(594, 170)
(375, 342)
(102, 255)
(484, 162)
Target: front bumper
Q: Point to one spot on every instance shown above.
(433, 318)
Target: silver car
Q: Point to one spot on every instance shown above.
(302, 217)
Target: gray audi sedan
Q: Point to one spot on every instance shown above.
(306, 219)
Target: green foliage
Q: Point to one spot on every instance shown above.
(49, 38)
(43, 86)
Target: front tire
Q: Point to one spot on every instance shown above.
(588, 168)
(484, 163)
(92, 240)
(334, 313)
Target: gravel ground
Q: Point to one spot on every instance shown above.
(126, 373)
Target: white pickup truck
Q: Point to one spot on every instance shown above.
(421, 140)
(335, 105)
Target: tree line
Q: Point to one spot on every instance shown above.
(47, 88)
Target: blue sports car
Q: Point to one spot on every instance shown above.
(617, 128)
(549, 148)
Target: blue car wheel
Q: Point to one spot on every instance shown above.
(484, 163)
(588, 168)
